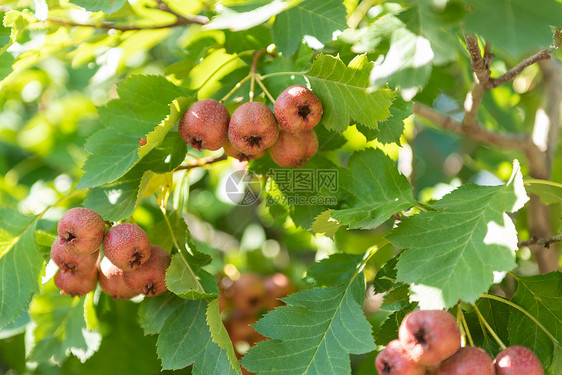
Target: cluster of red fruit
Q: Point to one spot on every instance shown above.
(254, 128)
(429, 343)
(242, 302)
(131, 265)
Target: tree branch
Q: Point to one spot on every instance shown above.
(480, 134)
(512, 73)
(481, 81)
(540, 241)
(477, 62)
(201, 163)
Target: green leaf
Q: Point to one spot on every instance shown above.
(16, 327)
(325, 225)
(373, 189)
(317, 18)
(218, 331)
(237, 21)
(540, 296)
(20, 263)
(257, 38)
(144, 109)
(470, 233)
(118, 200)
(124, 348)
(497, 316)
(184, 282)
(549, 192)
(106, 6)
(153, 312)
(60, 328)
(526, 24)
(556, 364)
(6, 61)
(334, 270)
(392, 128)
(385, 279)
(407, 64)
(345, 94)
(426, 19)
(380, 30)
(389, 329)
(186, 338)
(144, 101)
(314, 333)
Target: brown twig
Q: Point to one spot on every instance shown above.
(540, 241)
(516, 70)
(477, 62)
(480, 134)
(201, 163)
(481, 80)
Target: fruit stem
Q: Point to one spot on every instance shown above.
(201, 163)
(465, 326)
(236, 87)
(260, 83)
(488, 327)
(252, 86)
(222, 66)
(253, 73)
(517, 307)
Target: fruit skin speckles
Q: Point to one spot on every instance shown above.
(294, 149)
(297, 109)
(76, 284)
(150, 277)
(81, 230)
(111, 281)
(430, 336)
(468, 360)
(394, 360)
(126, 245)
(205, 125)
(252, 128)
(517, 360)
(73, 263)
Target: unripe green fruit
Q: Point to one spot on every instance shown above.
(76, 284)
(294, 149)
(468, 360)
(297, 109)
(111, 281)
(81, 229)
(204, 125)
(73, 263)
(517, 360)
(252, 128)
(126, 245)
(150, 277)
